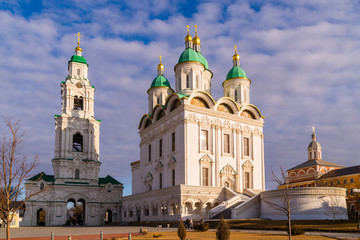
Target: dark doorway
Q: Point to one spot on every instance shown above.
(41, 217)
(108, 216)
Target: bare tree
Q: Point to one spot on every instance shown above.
(14, 169)
(285, 206)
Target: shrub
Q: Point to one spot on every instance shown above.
(201, 227)
(296, 230)
(181, 231)
(223, 230)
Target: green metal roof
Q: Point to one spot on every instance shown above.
(108, 179)
(79, 59)
(190, 55)
(42, 175)
(236, 72)
(160, 81)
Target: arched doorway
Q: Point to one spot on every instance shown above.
(75, 212)
(108, 216)
(41, 217)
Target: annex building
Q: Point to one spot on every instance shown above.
(196, 152)
(76, 182)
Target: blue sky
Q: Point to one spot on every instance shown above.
(302, 57)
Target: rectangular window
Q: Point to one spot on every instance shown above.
(246, 146)
(315, 155)
(204, 139)
(160, 180)
(173, 142)
(205, 176)
(160, 148)
(325, 184)
(173, 177)
(338, 182)
(345, 181)
(351, 180)
(226, 143)
(247, 180)
(149, 152)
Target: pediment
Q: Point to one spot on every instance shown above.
(247, 164)
(228, 170)
(206, 159)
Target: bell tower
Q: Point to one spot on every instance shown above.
(77, 132)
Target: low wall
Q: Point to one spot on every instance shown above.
(306, 203)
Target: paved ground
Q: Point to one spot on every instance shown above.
(93, 233)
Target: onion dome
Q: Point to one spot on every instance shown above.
(188, 37)
(196, 40)
(314, 144)
(236, 71)
(160, 80)
(190, 55)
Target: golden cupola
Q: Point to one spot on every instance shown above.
(236, 58)
(188, 39)
(196, 41)
(78, 49)
(160, 68)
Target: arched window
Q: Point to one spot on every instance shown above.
(77, 174)
(236, 96)
(77, 143)
(187, 81)
(42, 186)
(158, 100)
(78, 72)
(78, 103)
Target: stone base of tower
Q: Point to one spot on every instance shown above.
(101, 201)
(174, 203)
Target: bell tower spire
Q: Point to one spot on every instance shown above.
(77, 131)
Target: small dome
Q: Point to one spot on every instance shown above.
(236, 56)
(196, 40)
(236, 72)
(160, 66)
(79, 59)
(78, 49)
(314, 145)
(190, 55)
(160, 81)
(188, 38)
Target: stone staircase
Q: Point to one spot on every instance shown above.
(224, 209)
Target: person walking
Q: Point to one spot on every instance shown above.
(187, 223)
(191, 224)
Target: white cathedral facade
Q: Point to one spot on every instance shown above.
(76, 161)
(197, 155)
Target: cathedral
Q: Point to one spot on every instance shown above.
(76, 182)
(198, 156)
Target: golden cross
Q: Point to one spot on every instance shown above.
(160, 58)
(78, 37)
(187, 26)
(195, 29)
(235, 49)
(313, 128)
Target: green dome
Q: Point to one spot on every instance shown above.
(79, 59)
(160, 81)
(190, 55)
(236, 72)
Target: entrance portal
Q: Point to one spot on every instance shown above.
(41, 217)
(108, 216)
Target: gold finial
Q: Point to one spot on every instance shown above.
(196, 40)
(236, 56)
(313, 128)
(78, 42)
(160, 66)
(188, 38)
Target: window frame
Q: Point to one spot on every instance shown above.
(173, 141)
